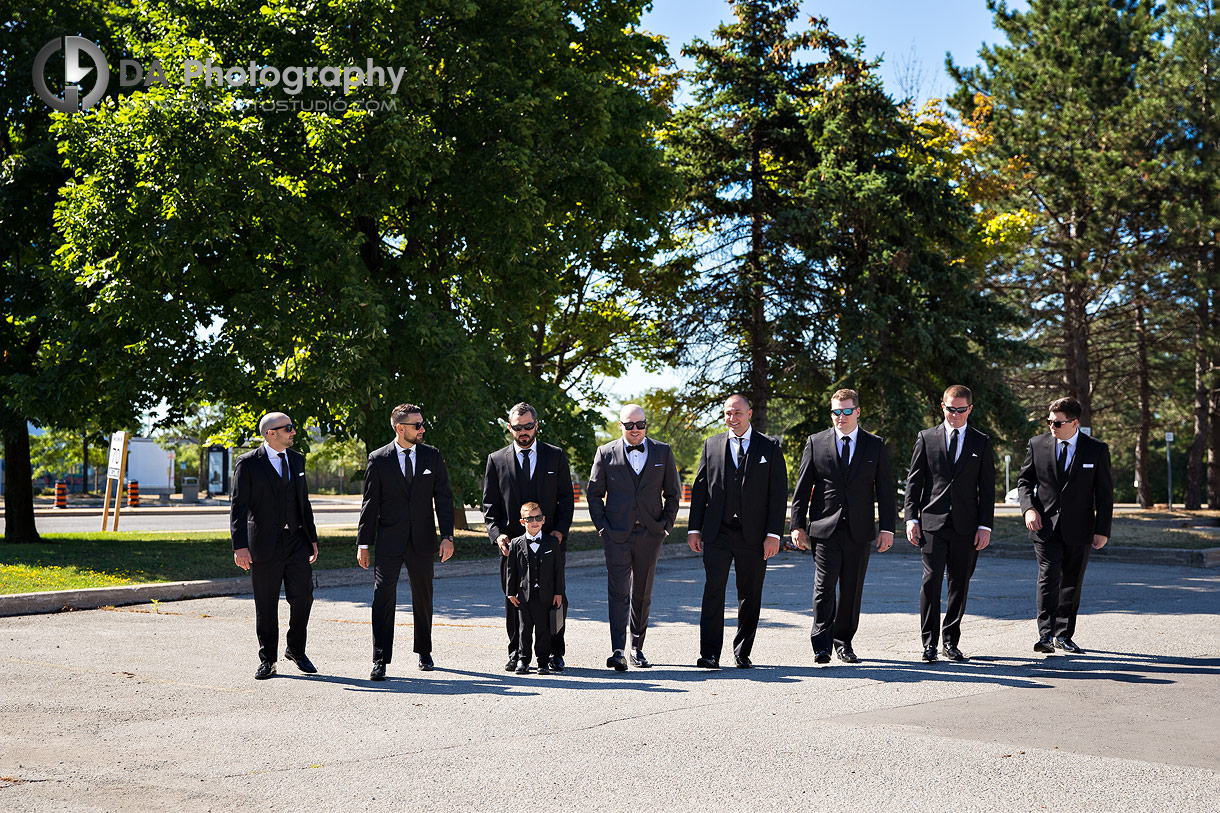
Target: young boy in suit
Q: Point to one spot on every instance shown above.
(534, 586)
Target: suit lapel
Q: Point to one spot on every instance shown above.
(855, 455)
(510, 468)
(831, 450)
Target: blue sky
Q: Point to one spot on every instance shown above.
(911, 37)
(903, 33)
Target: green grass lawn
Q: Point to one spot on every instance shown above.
(1145, 529)
(79, 560)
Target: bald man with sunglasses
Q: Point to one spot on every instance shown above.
(274, 537)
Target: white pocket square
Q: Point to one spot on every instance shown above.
(974, 454)
(550, 472)
(300, 474)
(658, 464)
(427, 471)
(1087, 465)
(762, 460)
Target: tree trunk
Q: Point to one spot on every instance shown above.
(84, 472)
(1194, 460)
(1076, 374)
(1143, 487)
(759, 374)
(459, 513)
(19, 523)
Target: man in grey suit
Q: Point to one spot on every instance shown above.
(633, 501)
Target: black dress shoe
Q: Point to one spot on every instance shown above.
(637, 657)
(708, 663)
(425, 662)
(544, 669)
(846, 655)
(743, 661)
(265, 670)
(1044, 645)
(1067, 645)
(617, 662)
(303, 663)
(821, 656)
(929, 654)
(378, 672)
(523, 667)
(511, 666)
(557, 664)
(953, 653)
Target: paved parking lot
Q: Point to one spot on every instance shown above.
(154, 707)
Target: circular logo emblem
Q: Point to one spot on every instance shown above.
(74, 72)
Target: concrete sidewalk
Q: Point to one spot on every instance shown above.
(155, 707)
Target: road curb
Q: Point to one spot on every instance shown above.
(1016, 549)
(91, 598)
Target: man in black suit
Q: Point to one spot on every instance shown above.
(405, 486)
(737, 511)
(271, 524)
(950, 507)
(527, 470)
(633, 502)
(844, 471)
(1067, 497)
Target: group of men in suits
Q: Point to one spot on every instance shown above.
(737, 516)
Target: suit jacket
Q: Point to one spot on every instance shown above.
(618, 498)
(823, 493)
(951, 497)
(764, 488)
(550, 577)
(395, 516)
(256, 512)
(502, 504)
(1079, 508)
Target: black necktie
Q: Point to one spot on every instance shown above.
(845, 455)
(523, 475)
(741, 452)
(1061, 462)
(406, 466)
(284, 468)
(952, 447)
(639, 448)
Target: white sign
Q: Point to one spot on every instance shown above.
(116, 455)
(1169, 437)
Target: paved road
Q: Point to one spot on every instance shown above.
(154, 708)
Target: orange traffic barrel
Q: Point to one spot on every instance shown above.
(61, 494)
(576, 492)
(133, 494)
(685, 493)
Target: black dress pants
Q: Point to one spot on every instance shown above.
(631, 567)
(534, 620)
(730, 548)
(288, 568)
(842, 561)
(386, 570)
(1061, 568)
(955, 555)
(512, 617)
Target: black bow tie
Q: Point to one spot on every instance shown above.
(639, 448)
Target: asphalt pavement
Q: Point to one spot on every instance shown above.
(154, 707)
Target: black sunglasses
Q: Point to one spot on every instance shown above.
(958, 410)
(523, 427)
(288, 427)
(417, 424)
(535, 518)
(1057, 424)
(629, 425)
(843, 411)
